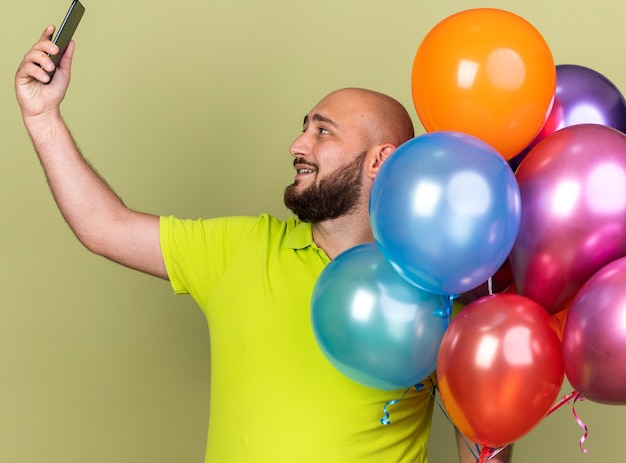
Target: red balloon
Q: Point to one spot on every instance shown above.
(594, 337)
(500, 368)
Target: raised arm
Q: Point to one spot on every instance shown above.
(96, 215)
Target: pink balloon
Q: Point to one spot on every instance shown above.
(573, 223)
(594, 337)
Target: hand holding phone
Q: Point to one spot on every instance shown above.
(66, 31)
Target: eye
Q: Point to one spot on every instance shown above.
(318, 129)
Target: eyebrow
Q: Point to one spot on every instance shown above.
(319, 118)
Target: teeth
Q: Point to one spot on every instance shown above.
(305, 171)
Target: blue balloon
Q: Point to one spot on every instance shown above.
(372, 325)
(445, 211)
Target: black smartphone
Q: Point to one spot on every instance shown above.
(66, 31)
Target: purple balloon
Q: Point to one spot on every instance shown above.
(594, 337)
(573, 221)
(582, 96)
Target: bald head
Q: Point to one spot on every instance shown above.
(385, 119)
(345, 139)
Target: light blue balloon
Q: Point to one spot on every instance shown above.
(445, 211)
(372, 325)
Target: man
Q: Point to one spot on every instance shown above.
(274, 397)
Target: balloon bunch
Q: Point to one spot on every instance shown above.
(520, 179)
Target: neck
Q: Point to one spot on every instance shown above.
(337, 235)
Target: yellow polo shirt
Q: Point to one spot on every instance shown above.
(275, 398)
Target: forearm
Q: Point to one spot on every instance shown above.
(93, 211)
(87, 203)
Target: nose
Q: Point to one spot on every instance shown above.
(299, 146)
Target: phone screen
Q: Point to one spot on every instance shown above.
(66, 30)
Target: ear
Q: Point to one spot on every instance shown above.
(381, 153)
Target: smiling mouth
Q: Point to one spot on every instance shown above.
(303, 167)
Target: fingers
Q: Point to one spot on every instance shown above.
(47, 33)
(37, 60)
(35, 64)
(45, 42)
(37, 93)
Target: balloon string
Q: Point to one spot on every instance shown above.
(486, 454)
(581, 424)
(494, 452)
(566, 399)
(575, 396)
(490, 286)
(446, 312)
(385, 419)
(467, 444)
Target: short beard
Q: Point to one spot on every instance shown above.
(333, 197)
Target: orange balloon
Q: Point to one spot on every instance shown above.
(488, 73)
(561, 317)
(500, 368)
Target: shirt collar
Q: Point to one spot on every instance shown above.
(301, 237)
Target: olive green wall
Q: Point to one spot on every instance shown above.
(189, 108)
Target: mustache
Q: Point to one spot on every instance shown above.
(301, 161)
